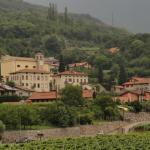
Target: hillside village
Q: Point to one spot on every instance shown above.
(38, 80)
(37, 75)
(70, 75)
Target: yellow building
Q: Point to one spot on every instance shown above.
(11, 64)
(33, 79)
(69, 77)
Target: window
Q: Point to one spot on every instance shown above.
(27, 84)
(26, 66)
(22, 84)
(31, 77)
(46, 86)
(46, 78)
(17, 77)
(34, 85)
(34, 66)
(22, 77)
(34, 77)
(70, 80)
(26, 77)
(77, 80)
(38, 85)
(18, 66)
(38, 77)
(42, 85)
(42, 78)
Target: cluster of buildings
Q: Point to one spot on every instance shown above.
(38, 79)
(35, 77)
(136, 89)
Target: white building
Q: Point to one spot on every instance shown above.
(69, 77)
(33, 79)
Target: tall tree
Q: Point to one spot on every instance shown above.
(72, 95)
(122, 74)
(52, 11)
(61, 64)
(66, 15)
(100, 74)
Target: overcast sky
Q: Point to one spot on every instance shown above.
(133, 15)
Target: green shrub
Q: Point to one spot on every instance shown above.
(9, 98)
(86, 119)
(2, 129)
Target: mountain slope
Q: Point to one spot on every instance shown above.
(18, 5)
(25, 27)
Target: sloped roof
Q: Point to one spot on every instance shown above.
(78, 64)
(31, 71)
(23, 89)
(141, 79)
(43, 95)
(71, 72)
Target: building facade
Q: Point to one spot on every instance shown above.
(137, 83)
(69, 77)
(10, 64)
(134, 84)
(131, 96)
(33, 79)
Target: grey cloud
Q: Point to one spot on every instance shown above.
(131, 14)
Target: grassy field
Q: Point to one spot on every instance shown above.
(101, 142)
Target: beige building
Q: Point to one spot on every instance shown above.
(34, 79)
(134, 84)
(10, 64)
(69, 77)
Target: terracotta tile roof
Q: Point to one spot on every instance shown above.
(53, 95)
(71, 72)
(87, 94)
(43, 96)
(141, 80)
(31, 71)
(79, 64)
(137, 80)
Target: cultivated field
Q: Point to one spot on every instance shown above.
(101, 142)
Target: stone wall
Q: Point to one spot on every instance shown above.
(87, 130)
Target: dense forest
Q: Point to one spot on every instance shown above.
(26, 28)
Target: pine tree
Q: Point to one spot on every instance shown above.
(100, 74)
(122, 74)
(56, 11)
(61, 64)
(50, 11)
(66, 15)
